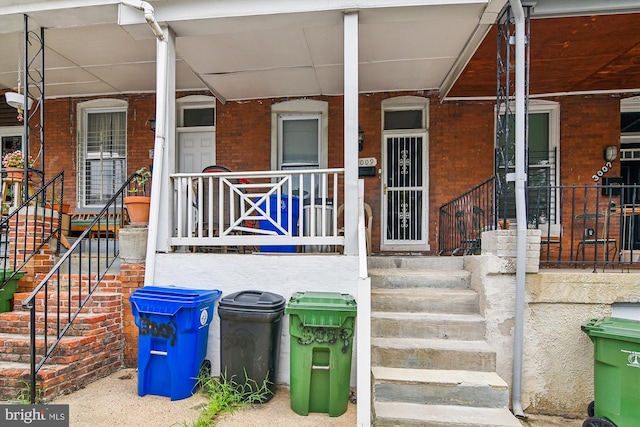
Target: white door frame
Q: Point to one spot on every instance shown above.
(422, 242)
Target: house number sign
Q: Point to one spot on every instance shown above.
(604, 169)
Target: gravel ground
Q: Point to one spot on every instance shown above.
(114, 401)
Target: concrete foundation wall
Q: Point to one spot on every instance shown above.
(557, 374)
(281, 274)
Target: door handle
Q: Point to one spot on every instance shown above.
(385, 189)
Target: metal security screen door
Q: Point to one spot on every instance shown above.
(404, 192)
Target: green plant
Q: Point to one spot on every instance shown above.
(24, 397)
(227, 396)
(142, 176)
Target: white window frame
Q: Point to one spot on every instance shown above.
(629, 105)
(553, 110)
(83, 111)
(12, 131)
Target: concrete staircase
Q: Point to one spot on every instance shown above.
(430, 362)
(91, 348)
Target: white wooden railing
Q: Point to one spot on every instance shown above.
(259, 209)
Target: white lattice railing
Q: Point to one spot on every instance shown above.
(259, 209)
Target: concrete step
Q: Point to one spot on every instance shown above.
(412, 278)
(428, 325)
(413, 414)
(409, 262)
(420, 300)
(416, 353)
(440, 387)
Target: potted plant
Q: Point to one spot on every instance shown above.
(14, 163)
(138, 202)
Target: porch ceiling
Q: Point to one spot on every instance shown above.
(243, 49)
(594, 53)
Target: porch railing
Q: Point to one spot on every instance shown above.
(463, 219)
(588, 226)
(259, 210)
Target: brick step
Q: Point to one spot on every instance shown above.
(420, 300)
(19, 321)
(100, 302)
(440, 387)
(16, 348)
(413, 414)
(428, 325)
(398, 278)
(417, 353)
(55, 379)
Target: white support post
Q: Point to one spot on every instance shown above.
(350, 133)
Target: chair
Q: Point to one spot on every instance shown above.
(592, 231)
(469, 226)
(228, 217)
(368, 218)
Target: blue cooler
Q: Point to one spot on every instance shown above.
(173, 328)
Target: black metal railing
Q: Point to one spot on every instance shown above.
(588, 226)
(62, 294)
(463, 219)
(26, 229)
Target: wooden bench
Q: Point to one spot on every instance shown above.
(81, 220)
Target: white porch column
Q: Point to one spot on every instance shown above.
(164, 149)
(351, 133)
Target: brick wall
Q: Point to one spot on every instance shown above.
(461, 140)
(131, 278)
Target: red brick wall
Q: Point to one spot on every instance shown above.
(461, 136)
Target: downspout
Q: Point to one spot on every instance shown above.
(159, 145)
(521, 217)
(149, 16)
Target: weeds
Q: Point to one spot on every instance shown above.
(24, 397)
(227, 396)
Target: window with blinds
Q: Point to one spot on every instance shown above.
(102, 156)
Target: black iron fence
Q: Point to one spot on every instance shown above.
(589, 226)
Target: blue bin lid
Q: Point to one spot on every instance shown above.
(252, 300)
(169, 300)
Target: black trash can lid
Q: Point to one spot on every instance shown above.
(253, 300)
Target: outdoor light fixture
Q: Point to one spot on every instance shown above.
(610, 153)
(360, 139)
(16, 100)
(152, 125)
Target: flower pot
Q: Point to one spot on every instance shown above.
(138, 209)
(15, 173)
(6, 293)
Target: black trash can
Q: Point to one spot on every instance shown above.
(250, 327)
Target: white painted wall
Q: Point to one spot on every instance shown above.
(558, 356)
(281, 274)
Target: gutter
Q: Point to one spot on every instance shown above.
(149, 16)
(520, 178)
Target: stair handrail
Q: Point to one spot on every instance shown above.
(114, 206)
(29, 247)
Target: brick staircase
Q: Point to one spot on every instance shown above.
(90, 349)
(431, 364)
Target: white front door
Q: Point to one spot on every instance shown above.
(196, 150)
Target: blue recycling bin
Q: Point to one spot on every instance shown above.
(173, 326)
(272, 207)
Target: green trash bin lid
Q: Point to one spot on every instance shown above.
(613, 327)
(322, 308)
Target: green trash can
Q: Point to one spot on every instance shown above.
(616, 372)
(321, 329)
(9, 289)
